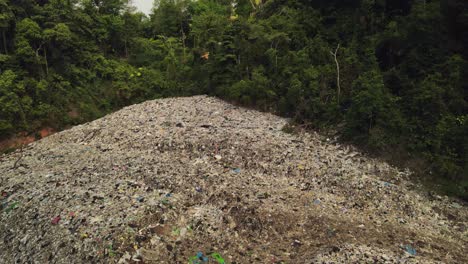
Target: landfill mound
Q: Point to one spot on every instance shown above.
(197, 180)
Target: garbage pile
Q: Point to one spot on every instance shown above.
(197, 180)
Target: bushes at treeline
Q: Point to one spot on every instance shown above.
(402, 82)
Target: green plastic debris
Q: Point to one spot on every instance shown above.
(192, 260)
(218, 258)
(12, 206)
(200, 258)
(111, 251)
(176, 231)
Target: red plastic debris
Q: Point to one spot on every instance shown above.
(56, 220)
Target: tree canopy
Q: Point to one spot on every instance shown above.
(389, 75)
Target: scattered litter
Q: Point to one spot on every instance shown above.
(218, 157)
(410, 250)
(56, 220)
(176, 231)
(132, 192)
(11, 207)
(4, 204)
(110, 251)
(218, 258)
(331, 232)
(296, 243)
(200, 258)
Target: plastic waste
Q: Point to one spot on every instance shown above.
(218, 258)
(56, 220)
(11, 207)
(200, 258)
(410, 250)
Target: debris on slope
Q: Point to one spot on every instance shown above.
(196, 179)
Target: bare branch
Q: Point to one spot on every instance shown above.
(335, 55)
(20, 157)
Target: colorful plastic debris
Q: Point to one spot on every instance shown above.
(218, 258)
(4, 205)
(11, 207)
(200, 258)
(56, 220)
(110, 251)
(410, 250)
(205, 55)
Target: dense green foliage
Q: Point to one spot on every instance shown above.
(402, 66)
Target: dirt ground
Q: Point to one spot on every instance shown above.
(23, 139)
(197, 180)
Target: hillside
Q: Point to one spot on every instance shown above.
(160, 181)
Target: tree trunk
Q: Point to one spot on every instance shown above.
(276, 57)
(4, 42)
(38, 61)
(253, 5)
(46, 63)
(334, 54)
(126, 49)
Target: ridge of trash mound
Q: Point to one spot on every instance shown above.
(198, 180)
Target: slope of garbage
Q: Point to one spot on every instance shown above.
(197, 180)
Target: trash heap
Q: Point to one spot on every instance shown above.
(197, 180)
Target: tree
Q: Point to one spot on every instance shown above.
(338, 85)
(6, 16)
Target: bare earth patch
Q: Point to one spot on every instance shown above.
(164, 180)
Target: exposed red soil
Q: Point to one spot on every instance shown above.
(23, 138)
